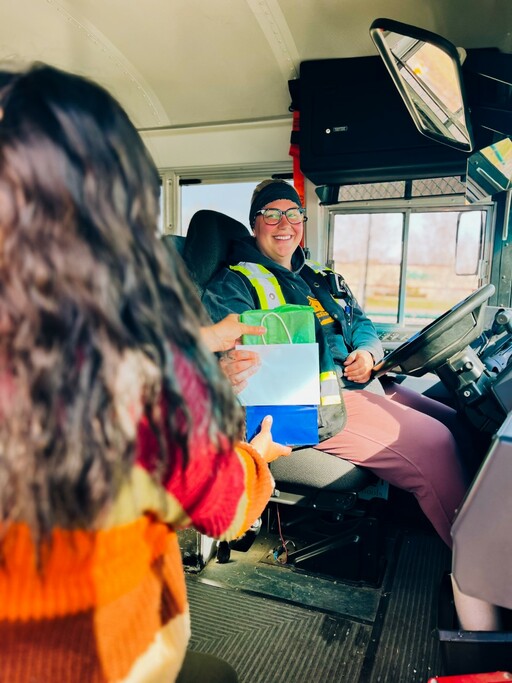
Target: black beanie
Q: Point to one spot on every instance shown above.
(278, 189)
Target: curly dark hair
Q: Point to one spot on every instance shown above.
(84, 281)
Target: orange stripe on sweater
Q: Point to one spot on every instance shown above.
(126, 628)
(79, 570)
(258, 485)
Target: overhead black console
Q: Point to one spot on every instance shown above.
(354, 127)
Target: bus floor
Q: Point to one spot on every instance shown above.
(275, 623)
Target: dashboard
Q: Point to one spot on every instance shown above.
(392, 337)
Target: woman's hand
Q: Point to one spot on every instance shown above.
(262, 442)
(238, 365)
(358, 366)
(225, 334)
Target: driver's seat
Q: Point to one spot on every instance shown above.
(308, 478)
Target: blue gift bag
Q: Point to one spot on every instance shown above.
(286, 386)
(292, 425)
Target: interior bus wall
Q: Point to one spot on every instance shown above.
(229, 145)
(501, 267)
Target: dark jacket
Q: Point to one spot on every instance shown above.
(337, 332)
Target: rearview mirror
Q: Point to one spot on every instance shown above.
(426, 71)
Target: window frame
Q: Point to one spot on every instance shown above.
(435, 204)
(173, 179)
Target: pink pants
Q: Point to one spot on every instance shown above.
(409, 447)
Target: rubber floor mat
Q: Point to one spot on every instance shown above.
(405, 647)
(267, 641)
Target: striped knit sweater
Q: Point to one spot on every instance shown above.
(110, 604)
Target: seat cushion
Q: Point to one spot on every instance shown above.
(316, 469)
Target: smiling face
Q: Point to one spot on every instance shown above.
(278, 242)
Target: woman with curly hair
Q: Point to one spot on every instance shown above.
(117, 426)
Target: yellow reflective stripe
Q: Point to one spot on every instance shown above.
(318, 267)
(329, 390)
(267, 287)
(255, 282)
(330, 400)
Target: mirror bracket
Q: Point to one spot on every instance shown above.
(490, 63)
(496, 119)
(489, 72)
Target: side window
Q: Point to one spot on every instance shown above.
(233, 199)
(403, 266)
(228, 190)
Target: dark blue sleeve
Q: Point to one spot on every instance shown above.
(227, 293)
(364, 334)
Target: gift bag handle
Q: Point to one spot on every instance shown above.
(276, 315)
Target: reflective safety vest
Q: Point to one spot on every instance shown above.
(268, 289)
(270, 295)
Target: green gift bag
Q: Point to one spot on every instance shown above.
(287, 324)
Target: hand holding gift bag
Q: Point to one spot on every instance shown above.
(287, 384)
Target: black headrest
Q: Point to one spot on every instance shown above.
(178, 242)
(207, 244)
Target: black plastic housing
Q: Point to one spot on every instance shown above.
(354, 127)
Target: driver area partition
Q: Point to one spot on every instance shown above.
(482, 551)
(315, 483)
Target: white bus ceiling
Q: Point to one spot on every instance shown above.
(193, 74)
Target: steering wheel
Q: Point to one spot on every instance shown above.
(441, 339)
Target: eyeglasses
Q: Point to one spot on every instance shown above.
(294, 215)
